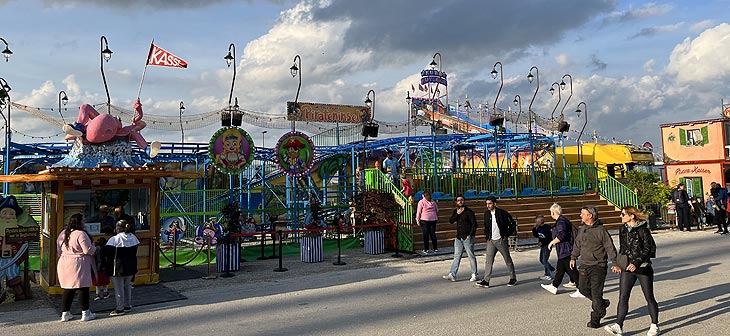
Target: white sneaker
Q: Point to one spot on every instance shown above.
(473, 278)
(550, 288)
(66, 316)
(614, 329)
(569, 285)
(577, 295)
(449, 277)
(546, 278)
(653, 330)
(87, 315)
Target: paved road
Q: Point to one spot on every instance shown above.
(409, 298)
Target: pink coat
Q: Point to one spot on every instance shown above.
(76, 263)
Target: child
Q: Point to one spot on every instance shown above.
(101, 281)
(406, 185)
(543, 233)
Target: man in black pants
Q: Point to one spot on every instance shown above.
(681, 201)
(594, 246)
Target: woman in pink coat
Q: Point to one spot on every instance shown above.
(76, 267)
(427, 213)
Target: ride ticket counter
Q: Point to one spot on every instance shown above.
(67, 191)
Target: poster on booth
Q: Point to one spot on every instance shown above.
(172, 230)
(17, 227)
(231, 150)
(295, 154)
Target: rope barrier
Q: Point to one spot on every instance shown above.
(172, 263)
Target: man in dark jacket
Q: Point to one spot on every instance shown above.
(563, 238)
(498, 226)
(466, 228)
(681, 202)
(594, 246)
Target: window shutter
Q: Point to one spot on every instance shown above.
(705, 135)
(682, 137)
(697, 190)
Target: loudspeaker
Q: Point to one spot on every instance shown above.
(370, 130)
(226, 118)
(237, 118)
(497, 121)
(563, 126)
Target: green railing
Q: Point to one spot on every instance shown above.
(614, 191)
(375, 179)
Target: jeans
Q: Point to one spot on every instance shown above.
(492, 247)
(626, 283)
(564, 267)
(459, 246)
(122, 291)
(545, 260)
(590, 284)
(429, 231)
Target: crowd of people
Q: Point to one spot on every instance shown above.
(713, 210)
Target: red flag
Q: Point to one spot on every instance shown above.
(413, 88)
(161, 57)
(420, 87)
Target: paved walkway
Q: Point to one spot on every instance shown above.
(385, 296)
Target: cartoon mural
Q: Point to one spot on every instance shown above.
(172, 230)
(231, 150)
(17, 227)
(209, 229)
(295, 153)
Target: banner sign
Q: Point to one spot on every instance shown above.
(346, 114)
(162, 57)
(19, 235)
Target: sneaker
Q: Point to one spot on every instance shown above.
(424, 252)
(653, 330)
(116, 312)
(577, 295)
(473, 278)
(429, 251)
(127, 308)
(550, 288)
(512, 282)
(546, 278)
(87, 315)
(436, 251)
(449, 277)
(106, 295)
(614, 329)
(66, 316)
(483, 284)
(97, 298)
(593, 325)
(569, 285)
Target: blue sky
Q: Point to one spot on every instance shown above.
(636, 64)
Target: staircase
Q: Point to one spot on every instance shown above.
(524, 210)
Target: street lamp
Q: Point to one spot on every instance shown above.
(409, 117)
(562, 86)
(529, 121)
(7, 53)
(518, 103)
(182, 131)
(296, 70)
(497, 121)
(552, 92)
(366, 129)
(62, 98)
(4, 94)
(585, 113)
(433, 65)
(105, 56)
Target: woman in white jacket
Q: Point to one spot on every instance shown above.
(120, 255)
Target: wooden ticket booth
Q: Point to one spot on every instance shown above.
(67, 191)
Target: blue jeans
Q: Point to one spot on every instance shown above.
(459, 246)
(544, 260)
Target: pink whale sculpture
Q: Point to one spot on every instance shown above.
(98, 128)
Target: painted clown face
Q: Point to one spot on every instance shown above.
(8, 219)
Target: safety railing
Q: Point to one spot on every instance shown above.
(375, 179)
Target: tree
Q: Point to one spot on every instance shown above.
(651, 191)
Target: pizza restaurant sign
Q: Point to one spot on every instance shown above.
(694, 170)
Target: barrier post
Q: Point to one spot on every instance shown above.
(339, 261)
(397, 250)
(263, 237)
(280, 268)
(209, 276)
(273, 239)
(174, 250)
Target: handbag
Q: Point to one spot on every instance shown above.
(623, 261)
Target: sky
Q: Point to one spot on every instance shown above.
(635, 64)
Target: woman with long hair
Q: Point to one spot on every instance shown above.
(75, 267)
(637, 247)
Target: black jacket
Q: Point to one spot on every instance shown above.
(120, 255)
(680, 197)
(466, 223)
(506, 224)
(636, 244)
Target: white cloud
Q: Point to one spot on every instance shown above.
(563, 60)
(649, 65)
(704, 61)
(702, 25)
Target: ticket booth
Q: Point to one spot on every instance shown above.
(67, 191)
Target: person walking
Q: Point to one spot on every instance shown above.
(698, 212)
(636, 248)
(466, 228)
(75, 267)
(681, 202)
(498, 226)
(543, 233)
(120, 254)
(563, 238)
(719, 196)
(709, 209)
(594, 246)
(427, 213)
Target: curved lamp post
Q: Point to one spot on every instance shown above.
(6, 52)
(494, 111)
(585, 113)
(105, 56)
(529, 121)
(5, 89)
(230, 58)
(409, 118)
(552, 92)
(182, 131)
(296, 71)
(433, 65)
(518, 103)
(371, 104)
(562, 87)
(62, 98)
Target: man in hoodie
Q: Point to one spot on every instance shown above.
(593, 245)
(466, 228)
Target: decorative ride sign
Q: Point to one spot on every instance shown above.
(295, 154)
(231, 150)
(327, 113)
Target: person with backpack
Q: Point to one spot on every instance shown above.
(564, 233)
(719, 195)
(636, 248)
(681, 202)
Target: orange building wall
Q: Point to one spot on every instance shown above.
(710, 172)
(678, 147)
